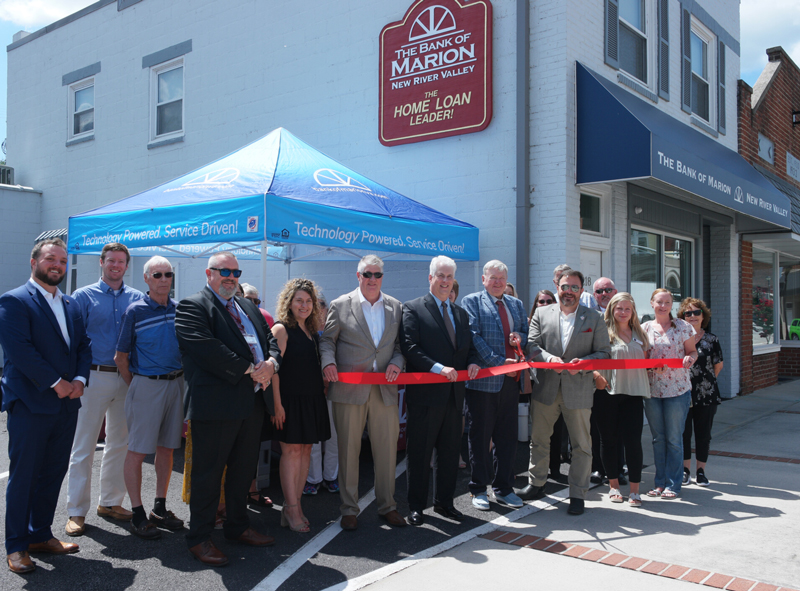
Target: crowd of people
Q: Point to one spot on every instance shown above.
(145, 364)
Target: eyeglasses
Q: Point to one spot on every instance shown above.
(158, 275)
(370, 275)
(546, 302)
(227, 272)
(692, 313)
(256, 301)
(572, 288)
(604, 290)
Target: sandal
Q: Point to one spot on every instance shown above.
(669, 494)
(255, 498)
(635, 500)
(302, 528)
(615, 496)
(656, 492)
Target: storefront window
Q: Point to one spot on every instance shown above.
(590, 213)
(659, 260)
(763, 297)
(789, 279)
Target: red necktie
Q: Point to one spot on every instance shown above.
(510, 353)
(231, 307)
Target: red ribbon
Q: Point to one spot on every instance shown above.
(432, 378)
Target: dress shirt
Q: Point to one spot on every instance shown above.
(102, 309)
(248, 327)
(376, 320)
(567, 324)
(438, 367)
(56, 303)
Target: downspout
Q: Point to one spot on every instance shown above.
(523, 151)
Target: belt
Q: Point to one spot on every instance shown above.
(105, 368)
(167, 376)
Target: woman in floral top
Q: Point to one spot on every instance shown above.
(705, 391)
(670, 393)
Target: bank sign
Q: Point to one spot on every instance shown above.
(436, 72)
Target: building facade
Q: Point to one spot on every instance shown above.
(612, 144)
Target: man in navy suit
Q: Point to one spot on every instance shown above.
(498, 325)
(47, 359)
(435, 337)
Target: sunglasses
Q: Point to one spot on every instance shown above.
(692, 313)
(159, 274)
(546, 302)
(227, 272)
(572, 288)
(370, 275)
(604, 290)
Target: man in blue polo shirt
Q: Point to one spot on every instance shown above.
(102, 305)
(149, 361)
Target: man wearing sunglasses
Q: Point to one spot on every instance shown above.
(149, 361)
(569, 331)
(230, 356)
(102, 305)
(362, 335)
(604, 290)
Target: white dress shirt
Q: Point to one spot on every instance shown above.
(567, 324)
(376, 320)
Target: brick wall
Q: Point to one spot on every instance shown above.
(789, 362)
(745, 297)
(765, 370)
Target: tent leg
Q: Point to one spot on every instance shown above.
(263, 291)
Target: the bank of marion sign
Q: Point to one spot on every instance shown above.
(436, 72)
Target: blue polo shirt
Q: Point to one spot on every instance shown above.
(102, 310)
(148, 336)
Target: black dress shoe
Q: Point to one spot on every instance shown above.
(622, 480)
(575, 507)
(145, 530)
(559, 477)
(415, 518)
(449, 512)
(531, 492)
(596, 478)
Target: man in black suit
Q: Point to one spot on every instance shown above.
(47, 359)
(435, 337)
(229, 356)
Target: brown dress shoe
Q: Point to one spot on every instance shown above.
(53, 546)
(20, 563)
(75, 526)
(207, 553)
(252, 538)
(349, 522)
(116, 512)
(394, 518)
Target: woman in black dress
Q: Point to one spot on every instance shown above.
(301, 414)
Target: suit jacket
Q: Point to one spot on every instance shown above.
(36, 354)
(487, 334)
(589, 341)
(425, 342)
(347, 343)
(215, 357)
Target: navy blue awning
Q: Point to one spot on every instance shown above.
(623, 138)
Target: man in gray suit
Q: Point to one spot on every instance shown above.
(361, 335)
(574, 332)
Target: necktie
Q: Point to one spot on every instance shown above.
(510, 353)
(231, 306)
(448, 324)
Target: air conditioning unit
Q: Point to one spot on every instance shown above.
(6, 175)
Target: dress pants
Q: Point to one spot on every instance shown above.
(104, 397)
(493, 417)
(432, 427)
(38, 450)
(577, 421)
(619, 417)
(325, 467)
(215, 444)
(384, 427)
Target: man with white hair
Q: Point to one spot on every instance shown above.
(498, 323)
(362, 335)
(604, 290)
(435, 337)
(150, 363)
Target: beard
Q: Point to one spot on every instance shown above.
(227, 292)
(46, 278)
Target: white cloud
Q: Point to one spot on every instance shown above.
(765, 24)
(31, 15)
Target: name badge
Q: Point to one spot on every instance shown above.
(251, 339)
(635, 340)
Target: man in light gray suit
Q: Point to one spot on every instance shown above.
(361, 335)
(568, 331)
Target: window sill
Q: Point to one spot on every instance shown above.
(766, 349)
(157, 143)
(704, 126)
(79, 140)
(790, 344)
(636, 86)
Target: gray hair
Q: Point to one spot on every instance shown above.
(215, 258)
(497, 265)
(558, 271)
(156, 260)
(249, 289)
(369, 260)
(442, 261)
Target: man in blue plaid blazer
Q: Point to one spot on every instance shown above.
(498, 325)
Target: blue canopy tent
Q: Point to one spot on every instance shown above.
(278, 199)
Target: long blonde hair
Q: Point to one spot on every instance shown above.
(611, 322)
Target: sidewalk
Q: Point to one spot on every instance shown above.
(743, 526)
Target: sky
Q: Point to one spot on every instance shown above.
(764, 24)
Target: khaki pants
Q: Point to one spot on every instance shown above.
(543, 418)
(384, 427)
